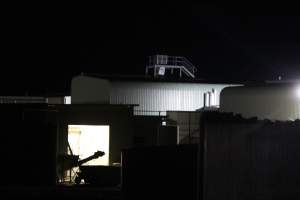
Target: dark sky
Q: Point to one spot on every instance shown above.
(43, 48)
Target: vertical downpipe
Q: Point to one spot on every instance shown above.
(209, 98)
(213, 93)
(206, 99)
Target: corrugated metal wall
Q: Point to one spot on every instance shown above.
(250, 159)
(160, 96)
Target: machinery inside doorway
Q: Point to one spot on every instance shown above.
(88, 145)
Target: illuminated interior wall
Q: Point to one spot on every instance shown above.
(85, 140)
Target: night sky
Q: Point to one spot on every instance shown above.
(43, 48)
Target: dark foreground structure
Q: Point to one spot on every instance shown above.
(33, 136)
(234, 158)
(250, 159)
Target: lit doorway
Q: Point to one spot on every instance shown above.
(85, 140)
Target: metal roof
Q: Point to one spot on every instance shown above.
(144, 78)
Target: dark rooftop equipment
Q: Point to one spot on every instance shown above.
(158, 64)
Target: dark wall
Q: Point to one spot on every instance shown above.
(237, 159)
(161, 172)
(251, 159)
(27, 145)
(146, 129)
(167, 135)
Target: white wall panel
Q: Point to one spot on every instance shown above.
(160, 96)
(149, 96)
(274, 102)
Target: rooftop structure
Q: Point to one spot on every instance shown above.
(158, 64)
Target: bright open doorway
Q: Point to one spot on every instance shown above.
(85, 140)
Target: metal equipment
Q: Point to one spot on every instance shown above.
(68, 162)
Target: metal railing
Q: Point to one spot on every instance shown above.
(188, 65)
(150, 113)
(21, 99)
(172, 61)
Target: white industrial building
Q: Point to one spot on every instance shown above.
(273, 101)
(158, 95)
(154, 93)
(151, 96)
(169, 85)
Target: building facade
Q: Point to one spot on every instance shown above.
(150, 97)
(279, 101)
